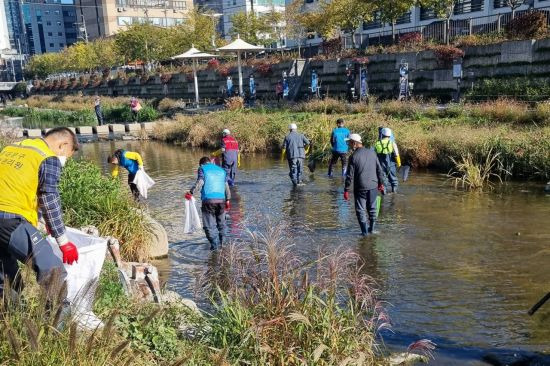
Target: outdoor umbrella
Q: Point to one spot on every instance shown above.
(194, 55)
(239, 46)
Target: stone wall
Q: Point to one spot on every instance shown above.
(431, 78)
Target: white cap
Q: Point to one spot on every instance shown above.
(354, 137)
(226, 132)
(292, 126)
(386, 132)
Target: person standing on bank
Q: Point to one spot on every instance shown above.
(338, 140)
(388, 155)
(365, 172)
(132, 162)
(215, 196)
(294, 147)
(29, 181)
(98, 111)
(135, 107)
(231, 158)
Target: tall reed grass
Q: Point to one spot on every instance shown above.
(89, 198)
(478, 174)
(274, 308)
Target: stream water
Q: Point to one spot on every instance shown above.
(459, 268)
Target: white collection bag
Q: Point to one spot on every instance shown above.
(83, 276)
(192, 218)
(143, 182)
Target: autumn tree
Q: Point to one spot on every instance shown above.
(391, 10)
(295, 28)
(40, 66)
(256, 29)
(349, 15)
(513, 5)
(442, 9)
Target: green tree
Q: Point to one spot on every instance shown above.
(255, 29)
(442, 9)
(144, 42)
(105, 53)
(349, 15)
(40, 66)
(391, 10)
(80, 57)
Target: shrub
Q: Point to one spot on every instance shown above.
(446, 54)
(167, 104)
(477, 174)
(520, 88)
(264, 69)
(213, 64)
(327, 105)
(331, 47)
(527, 26)
(502, 111)
(401, 109)
(234, 103)
(411, 38)
(223, 70)
(89, 198)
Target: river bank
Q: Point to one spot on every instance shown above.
(426, 136)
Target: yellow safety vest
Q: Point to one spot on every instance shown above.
(384, 146)
(19, 167)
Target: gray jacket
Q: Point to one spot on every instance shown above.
(294, 144)
(364, 170)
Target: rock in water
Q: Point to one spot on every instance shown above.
(406, 359)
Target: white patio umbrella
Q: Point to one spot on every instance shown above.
(239, 46)
(194, 55)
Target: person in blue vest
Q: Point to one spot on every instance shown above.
(338, 140)
(215, 196)
(132, 162)
(388, 156)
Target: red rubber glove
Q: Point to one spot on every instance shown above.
(188, 196)
(70, 253)
(346, 196)
(227, 205)
(381, 188)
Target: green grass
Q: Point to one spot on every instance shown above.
(90, 198)
(426, 136)
(36, 118)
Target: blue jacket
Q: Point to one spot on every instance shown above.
(130, 165)
(338, 139)
(214, 182)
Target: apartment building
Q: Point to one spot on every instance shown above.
(103, 18)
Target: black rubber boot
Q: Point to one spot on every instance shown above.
(371, 226)
(363, 226)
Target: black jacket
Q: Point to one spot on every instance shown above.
(364, 171)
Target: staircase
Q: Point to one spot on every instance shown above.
(295, 77)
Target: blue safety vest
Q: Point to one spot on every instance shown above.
(340, 136)
(130, 165)
(214, 182)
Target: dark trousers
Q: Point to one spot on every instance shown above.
(134, 116)
(391, 175)
(334, 159)
(133, 188)
(365, 205)
(99, 116)
(296, 167)
(213, 217)
(20, 241)
(230, 168)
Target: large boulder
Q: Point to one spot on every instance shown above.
(159, 238)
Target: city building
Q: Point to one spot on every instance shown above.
(232, 7)
(103, 18)
(14, 22)
(4, 33)
(50, 25)
(213, 8)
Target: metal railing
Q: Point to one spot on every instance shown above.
(437, 30)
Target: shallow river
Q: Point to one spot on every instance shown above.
(461, 269)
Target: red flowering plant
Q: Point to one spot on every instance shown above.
(361, 60)
(264, 69)
(411, 38)
(213, 64)
(223, 70)
(446, 54)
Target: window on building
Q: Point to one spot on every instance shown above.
(46, 12)
(60, 34)
(374, 23)
(427, 13)
(51, 45)
(48, 23)
(468, 6)
(50, 34)
(62, 45)
(59, 24)
(56, 12)
(404, 19)
(124, 20)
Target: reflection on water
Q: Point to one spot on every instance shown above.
(459, 267)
